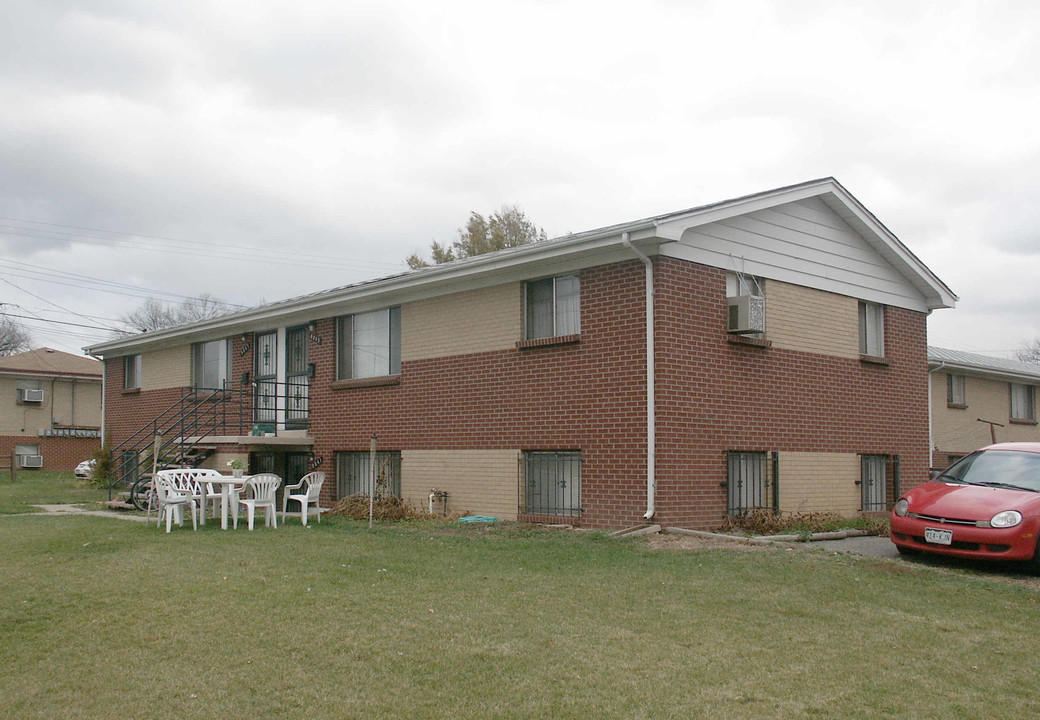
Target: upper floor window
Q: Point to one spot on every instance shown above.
(132, 375)
(1023, 402)
(210, 367)
(955, 390)
(871, 329)
(369, 344)
(553, 307)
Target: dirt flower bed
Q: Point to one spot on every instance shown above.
(766, 522)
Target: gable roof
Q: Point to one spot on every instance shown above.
(558, 255)
(982, 364)
(46, 361)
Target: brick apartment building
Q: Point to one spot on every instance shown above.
(977, 400)
(50, 409)
(767, 351)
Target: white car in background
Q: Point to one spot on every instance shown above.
(84, 469)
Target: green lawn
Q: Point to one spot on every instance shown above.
(112, 619)
(44, 487)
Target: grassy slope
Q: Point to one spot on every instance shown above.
(110, 619)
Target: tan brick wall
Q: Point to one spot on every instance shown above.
(462, 323)
(166, 369)
(958, 431)
(480, 482)
(28, 418)
(800, 318)
(819, 482)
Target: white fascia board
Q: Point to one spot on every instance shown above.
(567, 254)
(989, 373)
(935, 293)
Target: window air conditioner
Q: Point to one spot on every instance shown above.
(31, 396)
(747, 314)
(32, 461)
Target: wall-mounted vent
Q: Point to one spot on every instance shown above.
(31, 461)
(747, 315)
(30, 396)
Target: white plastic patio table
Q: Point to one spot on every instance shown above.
(226, 482)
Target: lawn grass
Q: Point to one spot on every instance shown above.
(45, 487)
(111, 619)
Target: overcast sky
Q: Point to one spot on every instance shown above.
(260, 150)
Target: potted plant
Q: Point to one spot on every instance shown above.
(237, 467)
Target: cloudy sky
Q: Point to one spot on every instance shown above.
(260, 150)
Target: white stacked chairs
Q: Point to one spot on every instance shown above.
(310, 484)
(173, 492)
(259, 491)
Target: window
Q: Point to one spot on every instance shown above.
(955, 390)
(1023, 405)
(746, 482)
(211, 364)
(552, 483)
(873, 482)
(553, 307)
(369, 344)
(740, 284)
(26, 449)
(132, 365)
(353, 473)
(871, 329)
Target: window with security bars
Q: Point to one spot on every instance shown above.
(874, 482)
(747, 482)
(551, 483)
(353, 473)
(266, 377)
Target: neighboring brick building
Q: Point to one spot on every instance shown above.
(50, 413)
(787, 370)
(977, 400)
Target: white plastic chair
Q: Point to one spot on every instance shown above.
(260, 492)
(211, 495)
(311, 485)
(171, 495)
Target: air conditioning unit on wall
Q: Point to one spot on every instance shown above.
(747, 314)
(32, 461)
(30, 396)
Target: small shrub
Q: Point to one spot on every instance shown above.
(101, 474)
(766, 522)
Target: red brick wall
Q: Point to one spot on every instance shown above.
(58, 453)
(715, 396)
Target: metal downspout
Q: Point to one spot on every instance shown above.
(651, 409)
(931, 439)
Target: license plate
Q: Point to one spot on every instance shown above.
(939, 537)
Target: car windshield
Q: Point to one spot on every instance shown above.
(999, 468)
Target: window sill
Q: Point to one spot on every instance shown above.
(1020, 421)
(873, 360)
(956, 406)
(381, 381)
(132, 391)
(543, 342)
(749, 341)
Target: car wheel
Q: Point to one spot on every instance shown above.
(1034, 564)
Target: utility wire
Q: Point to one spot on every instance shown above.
(73, 312)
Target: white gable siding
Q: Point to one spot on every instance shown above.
(803, 243)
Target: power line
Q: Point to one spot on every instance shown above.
(60, 322)
(73, 312)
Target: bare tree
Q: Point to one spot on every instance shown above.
(1030, 353)
(155, 315)
(14, 338)
(509, 227)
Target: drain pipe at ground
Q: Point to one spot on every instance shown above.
(651, 411)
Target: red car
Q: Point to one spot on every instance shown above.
(986, 505)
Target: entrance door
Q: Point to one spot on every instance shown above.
(266, 401)
(297, 378)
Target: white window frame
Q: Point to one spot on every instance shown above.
(565, 321)
(389, 348)
(199, 351)
(955, 394)
(871, 329)
(1022, 402)
(132, 372)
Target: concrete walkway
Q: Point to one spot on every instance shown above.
(53, 510)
